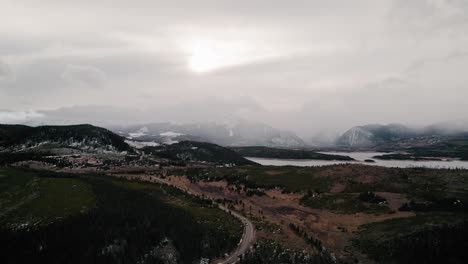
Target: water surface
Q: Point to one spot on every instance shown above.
(359, 159)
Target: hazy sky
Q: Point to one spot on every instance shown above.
(304, 65)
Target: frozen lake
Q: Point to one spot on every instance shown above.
(359, 159)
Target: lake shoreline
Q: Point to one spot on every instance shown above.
(363, 159)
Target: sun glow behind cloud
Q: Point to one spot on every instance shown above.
(205, 57)
(208, 55)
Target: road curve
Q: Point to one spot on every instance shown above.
(247, 239)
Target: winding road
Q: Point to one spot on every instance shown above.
(248, 237)
(246, 241)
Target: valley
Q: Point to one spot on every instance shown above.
(237, 211)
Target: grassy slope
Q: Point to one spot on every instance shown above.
(26, 198)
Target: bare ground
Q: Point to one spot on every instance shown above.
(333, 229)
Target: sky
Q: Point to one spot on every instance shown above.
(308, 66)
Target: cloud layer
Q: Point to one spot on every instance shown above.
(309, 66)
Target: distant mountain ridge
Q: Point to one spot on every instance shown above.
(375, 134)
(224, 134)
(443, 140)
(75, 139)
(84, 137)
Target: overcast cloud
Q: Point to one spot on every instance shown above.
(307, 66)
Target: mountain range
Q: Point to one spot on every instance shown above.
(233, 132)
(438, 140)
(25, 142)
(240, 133)
(399, 136)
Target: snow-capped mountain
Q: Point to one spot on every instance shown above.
(225, 134)
(397, 136)
(356, 136)
(370, 135)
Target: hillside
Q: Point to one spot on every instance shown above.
(198, 152)
(51, 217)
(276, 153)
(83, 137)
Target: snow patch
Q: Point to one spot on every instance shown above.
(136, 134)
(170, 134)
(170, 142)
(141, 144)
(141, 132)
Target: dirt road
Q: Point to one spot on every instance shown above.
(247, 239)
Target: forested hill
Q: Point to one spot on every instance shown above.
(276, 153)
(52, 217)
(76, 136)
(199, 152)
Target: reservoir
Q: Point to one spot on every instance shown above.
(360, 158)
